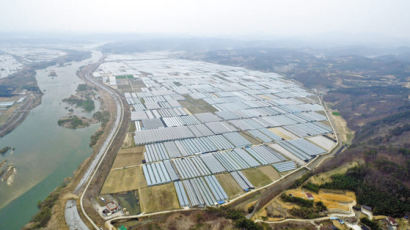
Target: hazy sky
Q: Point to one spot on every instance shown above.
(387, 18)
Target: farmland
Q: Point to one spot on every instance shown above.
(195, 143)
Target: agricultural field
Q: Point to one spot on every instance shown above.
(122, 180)
(333, 200)
(196, 105)
(229, 185)
(195, 142)
(283, 133)
(128, 157)
(258, 177)
(158, 198)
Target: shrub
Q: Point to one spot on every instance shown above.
(297, 200)
(311, 187)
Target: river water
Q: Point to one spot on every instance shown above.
(44, 153)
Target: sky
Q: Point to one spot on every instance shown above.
(223, 18)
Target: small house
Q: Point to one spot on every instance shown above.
(112, 207)
(309, 196)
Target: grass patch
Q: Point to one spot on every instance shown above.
(336, 113)
(158, 198)
(256, 177)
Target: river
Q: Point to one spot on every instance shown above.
(44, 153)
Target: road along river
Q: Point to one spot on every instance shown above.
(44, 153)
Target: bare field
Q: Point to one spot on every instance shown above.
(158, 198)
(122, 180)
(322, 142)
(270, 172)
(196, 105)
(129, 157)
(251, 139)
(230, 186)
(281, 132)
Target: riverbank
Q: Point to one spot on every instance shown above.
(58, 218)
(39, 139)
(25, 83)
(19, 114)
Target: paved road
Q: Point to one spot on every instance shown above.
(72, 217)
(107, 142)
